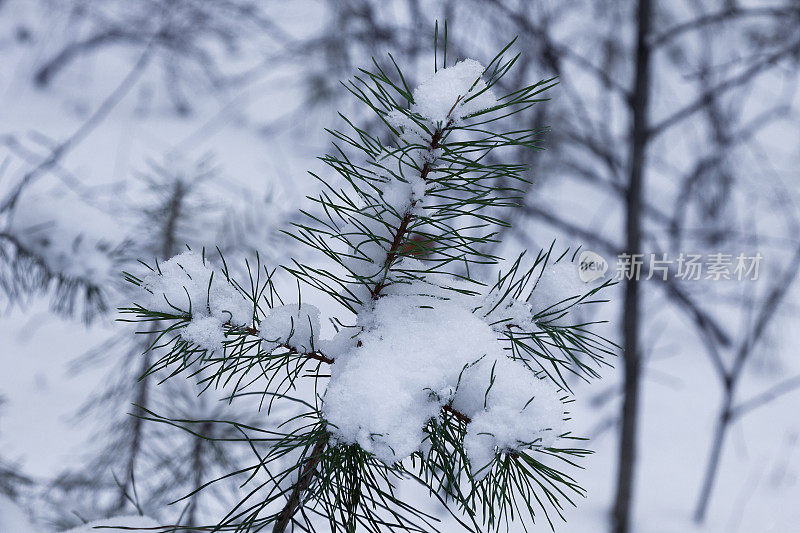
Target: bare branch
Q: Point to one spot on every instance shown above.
(720, 17)
(723, 87)
(771, 394)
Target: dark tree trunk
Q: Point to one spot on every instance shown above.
(720, 431)
(141, 401)
(633, 227)
(198, 473)
(167, 249)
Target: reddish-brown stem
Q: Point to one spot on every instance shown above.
(319, 356)
(402, 229)
(309, 469)
(303, 482)
(392, 254)
(458, 415)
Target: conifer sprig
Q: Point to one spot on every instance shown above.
(405, 226)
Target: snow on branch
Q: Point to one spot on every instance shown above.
(418, 354)
(453, 93)
(430, 365)
(58, 242)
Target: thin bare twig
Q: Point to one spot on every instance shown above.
(83, 131)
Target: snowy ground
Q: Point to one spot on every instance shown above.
(759, 482)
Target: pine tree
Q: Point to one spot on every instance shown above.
(139, 467)
(433, 375)
(161, 221)
(46, 251)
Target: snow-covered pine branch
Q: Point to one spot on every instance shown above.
(57, 243)
(432, 374)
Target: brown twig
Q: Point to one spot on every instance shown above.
(402, 229)
(316, 354)
(303, 482)
(461, 417)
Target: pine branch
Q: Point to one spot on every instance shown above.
(303, 482)
(315, 354)
(309, 470)
(401, 240)
(402, 229)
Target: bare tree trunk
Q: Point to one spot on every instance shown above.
(174, 213)
(142, 398)
(638, 140)
(198, 469)
(174, 209)
(720, 431)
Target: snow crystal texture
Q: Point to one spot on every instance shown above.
(417, 354)
(185, 283)
(453, 93)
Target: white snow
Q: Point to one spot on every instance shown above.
(71, 238)
(445, 99)
(400, 196)
(760, 476)
(502, 311)
(205, 331)
(553, 300)
(185, 282)
(419, 353)
(295, 325)
(453, 93)
(13, 519)
(412, 133)
(504, 419)
(557, 291)
(450, 94)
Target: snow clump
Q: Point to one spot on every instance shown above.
(72, 239)
(444, 100)
(293, 325)
(557, 291)
(417, 354)
(453, 93)
(185, 283)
